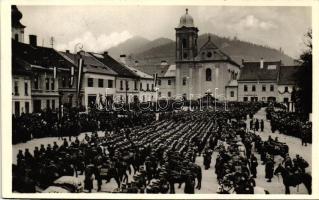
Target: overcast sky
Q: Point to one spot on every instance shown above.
(99, 28)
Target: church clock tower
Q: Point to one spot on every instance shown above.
(186, 39)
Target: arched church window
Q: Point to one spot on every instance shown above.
(184, 43)
(184, 81)
(208, 74)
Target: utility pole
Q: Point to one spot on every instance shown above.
(52, 41)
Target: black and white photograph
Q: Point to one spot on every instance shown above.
(159, 99)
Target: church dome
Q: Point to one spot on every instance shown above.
(16, 16)
(186, 20)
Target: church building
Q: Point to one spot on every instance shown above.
(204, 70)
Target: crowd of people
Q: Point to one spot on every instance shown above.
(290, 123)
(158, 153)
(72, 123)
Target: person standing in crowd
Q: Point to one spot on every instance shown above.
(303, 138)
(253, 165)
(88, 180)
(189, 183)
(257, 125)
(262, 125)
(251, 124)
(269, 167)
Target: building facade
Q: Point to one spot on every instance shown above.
(198, 73)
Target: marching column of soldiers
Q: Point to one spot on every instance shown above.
(161, 154)
(289, 123)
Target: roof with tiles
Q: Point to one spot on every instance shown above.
(252, 71)
(119, 68)
(39, 56)
(289, 75)
(91, 64)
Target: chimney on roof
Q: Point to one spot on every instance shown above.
(261, 63)
(105, 53)
(123, 58)
(163, 62)
(67, 51)
(136, 63)
(33, 40)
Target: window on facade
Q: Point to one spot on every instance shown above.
(135, 85)
(169, 82)
(209, 54)
(121, 85)
(147, 87)
(16, 37)
(271, 88)
(159, 82)
(52, 84)
(169, 94)
(232, 94)
(159, 94)
(126, 85)
(110, 83)
(184, 43)
(143, 98)
(185, 55)
(263, 88)
(152, 87)
(16, 88)
(48, 104)
(53, 104)
(245, 98)
(27, 107)
(286, 89)
(245, 88)
(90, 82)
(36, 83)
(100, 83)
(208, 74)
(141, 86)
(253, 88)
(47, 84)
(184, 81)
(26, 89)
(63, 82)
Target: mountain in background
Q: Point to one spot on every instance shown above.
(137, 45)
(152, 52)
(131, 45)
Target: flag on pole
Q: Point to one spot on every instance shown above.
(155, 79)
(80, 66)
(72, 76)
(54, 72)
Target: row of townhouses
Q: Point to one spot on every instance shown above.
(44, 78)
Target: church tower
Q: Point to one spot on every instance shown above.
(17, 27)
(186, 39)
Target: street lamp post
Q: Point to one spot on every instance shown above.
(60, 115)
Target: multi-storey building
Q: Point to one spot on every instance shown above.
(204, 71)
(258, 81)
(97, 83)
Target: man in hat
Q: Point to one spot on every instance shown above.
(253, 165)
(262, 125)
(269, 168)
(20, 157)
(189, 183)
